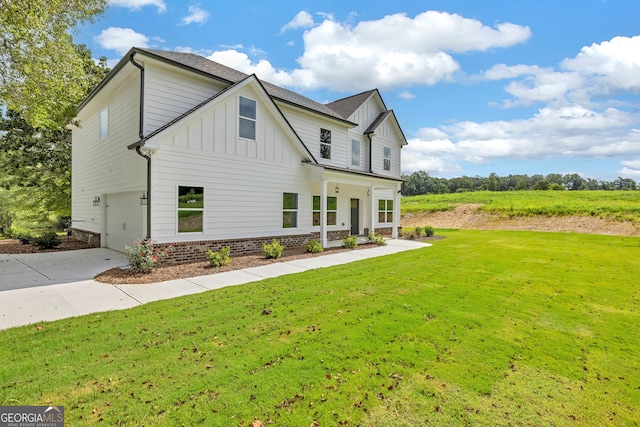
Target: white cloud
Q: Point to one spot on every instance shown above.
(391, 52)
(552, 132)
(138, 4)
(406, 95)
(631, 168)
(615, 63)
(121, 39)
(303, 19)
(263, 69)
(196, 15)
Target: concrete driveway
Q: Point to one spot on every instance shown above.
(31, 270)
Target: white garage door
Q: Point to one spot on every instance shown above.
(124, 220)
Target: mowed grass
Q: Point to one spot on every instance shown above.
(484, 329)
(618, 205)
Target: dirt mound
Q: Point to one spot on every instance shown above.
(467, 217)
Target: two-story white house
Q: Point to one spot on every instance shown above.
(185, 151)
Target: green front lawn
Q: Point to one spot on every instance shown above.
(483, 328)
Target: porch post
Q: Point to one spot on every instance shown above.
(323, 214)
(396, 213)
(374, 212)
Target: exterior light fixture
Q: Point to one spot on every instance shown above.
(337, 189)
(144, 199)
(368, 192)
(96, 201)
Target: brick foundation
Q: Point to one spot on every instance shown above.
(89, 237)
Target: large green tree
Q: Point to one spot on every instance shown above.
(42, 73)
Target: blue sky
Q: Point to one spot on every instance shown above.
(478, 86)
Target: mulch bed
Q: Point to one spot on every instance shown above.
(13, 246)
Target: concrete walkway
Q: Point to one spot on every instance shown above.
(52, 286)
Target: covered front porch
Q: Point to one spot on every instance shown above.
(356, 204)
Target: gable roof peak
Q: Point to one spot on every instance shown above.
(347, 106)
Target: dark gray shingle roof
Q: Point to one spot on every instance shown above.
(224, 73)
(346, 106)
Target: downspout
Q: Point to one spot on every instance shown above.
(141, 142)
(370, 152)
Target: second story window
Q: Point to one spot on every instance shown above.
(387, 159)
(355, 152)
(247, 121)
(325, 143)
(104, 123)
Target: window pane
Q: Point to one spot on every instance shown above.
(290, 200)
(289, 219)
(355, 152)
(316, 203)
(331, 218)
(104, 123)
(381, 216)
(247, 129)
(191, 197)
(332, 203)
(387, 164)
(189, 221)
(381, 205)
(325, 136)
(316, 218)
(387, 152)
(389, 205)
(389, 216)
(247, 108)
(325, 151)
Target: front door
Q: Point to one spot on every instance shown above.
(355, 217)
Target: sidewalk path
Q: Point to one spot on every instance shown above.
(49, 292)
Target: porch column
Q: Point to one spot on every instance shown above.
(323, 214)
(374, 212)
(396, 213)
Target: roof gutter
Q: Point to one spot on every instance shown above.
(140, 143)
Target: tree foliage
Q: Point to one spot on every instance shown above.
(420, 182)
(42, 72)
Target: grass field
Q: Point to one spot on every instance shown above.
(483, 328)
(619, 205)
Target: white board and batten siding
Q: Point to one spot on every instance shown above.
(386, 136)
(243, 180)
(104, 165)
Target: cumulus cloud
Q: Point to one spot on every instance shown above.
(138, 4)
(196, 16)
(391, 52)
(303, 19)
(631, 168)
(552, 132)
(263, 68)
(121, 39)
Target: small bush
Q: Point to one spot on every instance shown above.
(143, 257)
(25, 238)
(314, 247)
(8, 233)
(376, 238)
(350, 242)
(429, 231)
(272, 250)
(418, 231)
(218, 259)
(47, 240)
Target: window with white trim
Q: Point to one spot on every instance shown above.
(104, 123)
(289, 210)
(247, 119)
(355, 152)
(190, 209)
(325, 143)
(332, 210)
(385, 211)
(387, 159)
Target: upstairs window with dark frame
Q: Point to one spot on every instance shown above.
(385, 211)
(325, 143)
(247, 119)
(387, 159)
(289, 210)
(190, 209)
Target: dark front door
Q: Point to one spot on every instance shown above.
(355, 217)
